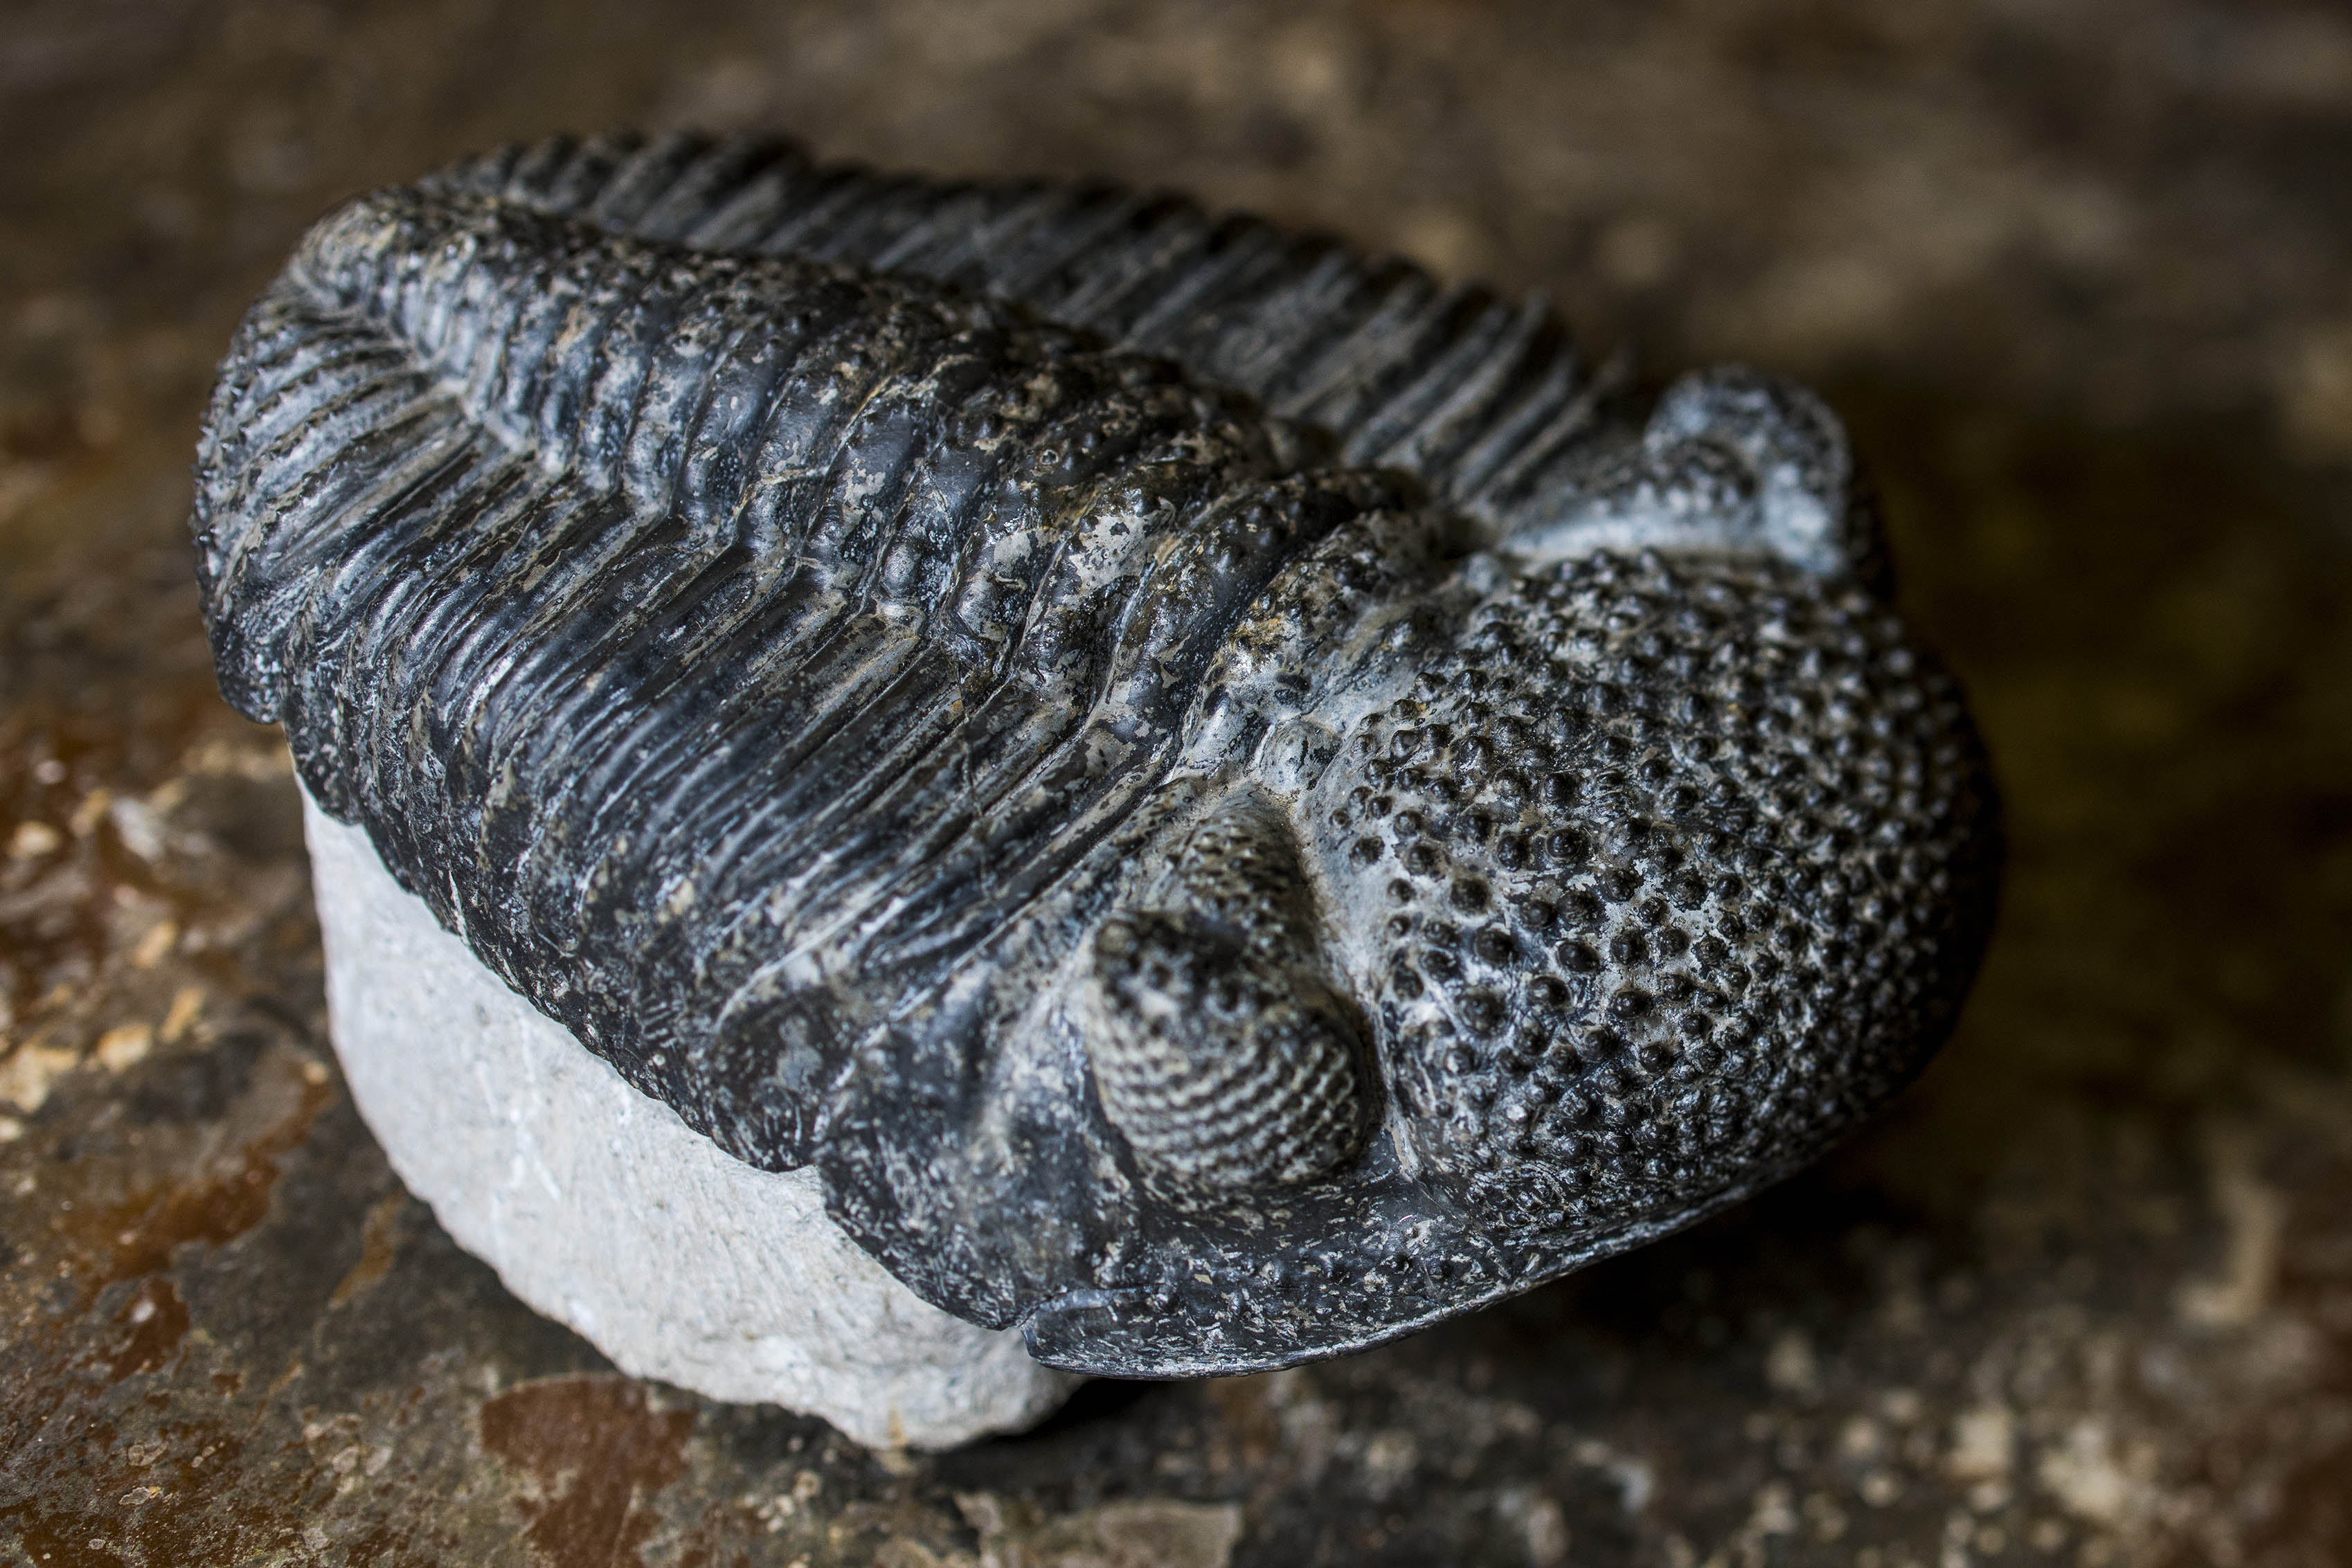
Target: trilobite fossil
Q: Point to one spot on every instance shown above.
(1232, 800)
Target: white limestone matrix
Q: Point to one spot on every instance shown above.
(601, 1208)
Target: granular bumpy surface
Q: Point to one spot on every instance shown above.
(1641, 823)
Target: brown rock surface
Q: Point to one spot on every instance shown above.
(2076, 272)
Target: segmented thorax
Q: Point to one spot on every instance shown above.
(636, 584)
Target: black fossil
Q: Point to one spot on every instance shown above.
(1232, 800)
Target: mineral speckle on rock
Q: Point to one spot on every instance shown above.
(1230, 803)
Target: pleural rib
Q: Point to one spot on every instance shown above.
(691, 628)
(1486, 401)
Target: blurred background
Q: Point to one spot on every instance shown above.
(2077, 272)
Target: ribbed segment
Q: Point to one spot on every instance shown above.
(671, 618)
(1487, 401)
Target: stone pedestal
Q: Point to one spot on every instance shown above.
(601, 1208)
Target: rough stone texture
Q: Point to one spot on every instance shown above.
(2075, 275)
(602, 1209)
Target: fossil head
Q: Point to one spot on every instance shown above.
(1648, 854)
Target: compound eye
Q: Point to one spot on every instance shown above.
(1221, 1051)
(1223, 1073)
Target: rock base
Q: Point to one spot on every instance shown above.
(601, 1208)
